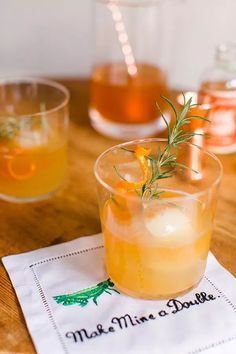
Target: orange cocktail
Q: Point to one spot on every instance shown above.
(161, 251)
(156, 245)
(33, 139)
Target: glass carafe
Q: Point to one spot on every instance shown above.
(128, 76)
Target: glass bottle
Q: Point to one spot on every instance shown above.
(218, 88)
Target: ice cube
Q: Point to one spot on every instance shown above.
(170, 226)
(130, 171)
(32, 139)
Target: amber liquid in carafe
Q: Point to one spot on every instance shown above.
(122, 98)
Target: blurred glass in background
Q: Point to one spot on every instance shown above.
(127, 76)
(218, 88)
(33, 138)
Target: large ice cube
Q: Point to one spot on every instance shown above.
(31, 139)
(170, 226)
(131, 171)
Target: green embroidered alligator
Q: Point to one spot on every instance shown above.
(82, 297)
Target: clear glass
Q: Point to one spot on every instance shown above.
(33, 138)
(198, 126)
(157, 247)
(218, 88)
(128, 74)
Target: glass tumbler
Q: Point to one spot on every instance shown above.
(128, 74)
(33, 138)
(156, 245)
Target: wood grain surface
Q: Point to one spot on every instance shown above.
(73, 212)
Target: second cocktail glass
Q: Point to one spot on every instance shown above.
(33, 138)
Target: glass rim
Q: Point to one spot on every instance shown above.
(153, 140)
(129, 3)
(37, 80)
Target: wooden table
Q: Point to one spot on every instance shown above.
(73, 212)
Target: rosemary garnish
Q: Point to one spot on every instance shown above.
(12, 125)
(9, 128)
(165, 164)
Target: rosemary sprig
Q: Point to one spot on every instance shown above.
(9, 128)
(165, 164)
(12, 125)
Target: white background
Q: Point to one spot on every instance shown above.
(54, 37)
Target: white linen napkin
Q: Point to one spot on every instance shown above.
(96, 318)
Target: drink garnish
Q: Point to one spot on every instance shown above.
(12, 125)
(140, 153)
(17, 169)
(164, 164)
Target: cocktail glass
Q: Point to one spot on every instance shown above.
(156, 246)
(33, 138)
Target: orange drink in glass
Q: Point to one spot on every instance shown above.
(156, 245)
(33, 138)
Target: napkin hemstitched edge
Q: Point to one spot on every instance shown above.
(65, 255)
(225, 297)
(49, 311)
(213, 345)
(42, 292)
(85, 250)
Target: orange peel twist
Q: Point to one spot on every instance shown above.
(141, 153)
(13, 173)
